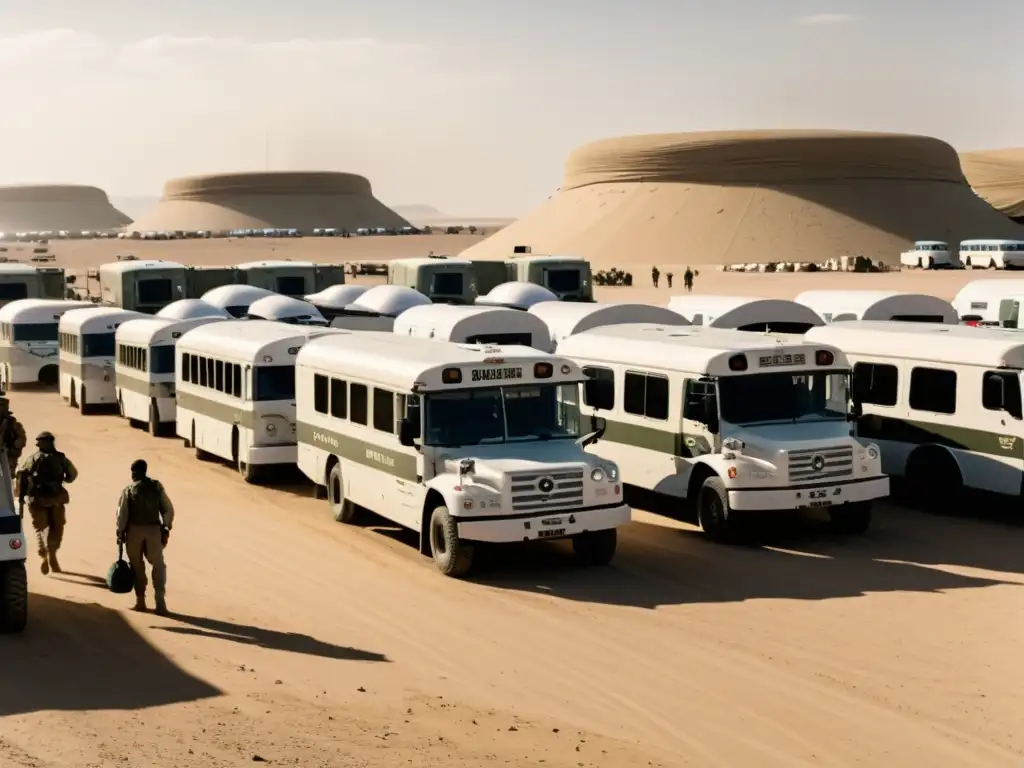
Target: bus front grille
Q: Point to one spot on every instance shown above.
(825, 463)
(546, 491)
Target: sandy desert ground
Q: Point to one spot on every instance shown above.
(298, 641)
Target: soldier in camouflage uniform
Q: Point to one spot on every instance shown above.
(12, 436)
(41, 477)
(144, 519)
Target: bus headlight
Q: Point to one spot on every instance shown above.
(872, 451)
(271, 429)
(597, 474)
(612, 471)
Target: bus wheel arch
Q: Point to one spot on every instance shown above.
(49, 375)
(698, 475)
(934, 479)
(452, 555)
(433, 500)
(342, 509)
(248, 472)
(716, 519)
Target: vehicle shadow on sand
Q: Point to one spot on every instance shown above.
(266, 638)
(85, 656)
(798, 560)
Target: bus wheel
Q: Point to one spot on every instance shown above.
(342, 510)
(713, 514)
(933, 481)
(931, 263)
(82, 407)
(595, 547)
(851, 518)
(991, 263)
(13, 597)
(452, 556)
(248, 471)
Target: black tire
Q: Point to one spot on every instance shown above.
(342, 510)
(49, 375)
(713, 514)
(851, 518)
(82, 407)
(249, 472)
(452, 556)
(931, 263)
(595, 547)
(72, 396)
(933, 482)
(13, 597)
(155, 427)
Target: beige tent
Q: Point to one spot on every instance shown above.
(723, 198)
(56, 207)
(300, 200)
(998, 176)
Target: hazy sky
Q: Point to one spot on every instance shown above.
(472, 106)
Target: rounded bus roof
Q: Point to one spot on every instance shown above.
(275, 264)
(457, 323)
(402, 363)
(990, 288)
(390, 300)
(877, 305)
(517, 295)
(694, 349)
(190, 309)
(284, 309)
(248, 340)
(928, 342)
(741, 311)
(8, 269)
(39, 310)
(564, 318)
(150, 331)
(337, 296)
(134, 265)
(225, 296)
(96, 319)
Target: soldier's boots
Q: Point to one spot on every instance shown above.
(44, 566)
(54, 565)
(161, 606)
(140, 603)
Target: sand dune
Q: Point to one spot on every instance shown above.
(42, 207)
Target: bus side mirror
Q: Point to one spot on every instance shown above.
(407, 432)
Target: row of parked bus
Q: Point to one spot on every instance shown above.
(970, 254)
(476, 424)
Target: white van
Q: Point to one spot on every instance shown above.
(28, 340)
(235, 388)
(835, 306)
(745, 313)
(461, 443)
(564, 319)
(87, 349)
(992, 254)
(144, 369)
(474, 325)
(728, 421)
(943, 402)
(930, 254)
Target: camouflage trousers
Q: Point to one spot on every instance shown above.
(144, 542)
(48, 521)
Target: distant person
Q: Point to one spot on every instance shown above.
(144, 519)
(655, 274)
(688, 279)
(41, 478)
(668, 279)
(12, 437)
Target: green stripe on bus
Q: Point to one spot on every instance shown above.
(145, 388)
(664, 441)
(230, 414)
(373, 455)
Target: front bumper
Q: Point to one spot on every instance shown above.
(553, 525)
(819, 495)
(273, 454)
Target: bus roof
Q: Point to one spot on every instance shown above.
(424, 261)
(404, 363)
(990, 287)
(876, 305)
(247, 339)
(337, 296)
(534, 258)
(990, 241)
(274, 264)
(235, 295)
(133, 265)
(739, 311)
(189, 309)
(148, 331)
(690, 349)
(38, 310)
(932, 342)
(389, 300)
(95, 319)
(565, 318)
(8, 269)
(451, 322)
(517, 294)
(278, 307)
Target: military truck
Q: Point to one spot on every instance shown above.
(199, 280)
(567, 277)
(289, 278)
(439, 278)
(20, 281)
(13, 576)
(327, 275)
(140, 285)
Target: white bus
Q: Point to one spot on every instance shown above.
(745, 313)
(460, 443)
(943, 402)
(930, 254)
(474, 325)
(516, 295)
(285, 309)
(235, 389)
(235, 299)
(730, 422)
(87, 348)
(144, 369)
(377, 309)
(335, 298)
(564, 319)
(992, 254)
(190, 309)
(28, 340)
(836, 306)
(978, 301)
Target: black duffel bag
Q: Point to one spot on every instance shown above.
(121, 575)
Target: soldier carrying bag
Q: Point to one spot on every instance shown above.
(121, 575)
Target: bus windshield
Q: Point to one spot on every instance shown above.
(772, 397)
(489, 415)
(161, 359)
(34, 332)
(273, 382)
(98, 345)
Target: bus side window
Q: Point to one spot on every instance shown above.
(218, 368)
(409, 409)
(339, 399)
(193, 365)
(383, 410)
(875, 384)
(203, 368)
(236, 379)
(321, 393)
(700, 403)
(357, 404)
(185, 370)
(145, 361)
(599, 390)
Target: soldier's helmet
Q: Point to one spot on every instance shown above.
(45, 437)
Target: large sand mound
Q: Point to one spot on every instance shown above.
(301, 200)
(55, 207)
(719, 198)
(998, 176)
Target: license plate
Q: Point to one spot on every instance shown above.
(824, 503)
(551, 521)
(551, 532)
